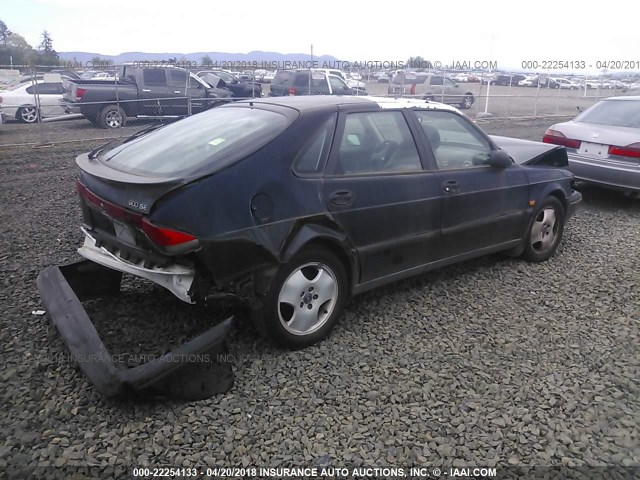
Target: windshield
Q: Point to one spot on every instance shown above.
(217, 135)
(620, 113)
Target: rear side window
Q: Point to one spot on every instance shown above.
(154, 77)
(218, 136)
(314, 152)
(46, 88)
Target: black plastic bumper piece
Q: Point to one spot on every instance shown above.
(175, 374)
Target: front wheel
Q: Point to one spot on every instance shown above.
(306, 298)
(545, 231)
(467, 101)
(28, 114)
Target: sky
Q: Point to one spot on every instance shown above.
(506, 32)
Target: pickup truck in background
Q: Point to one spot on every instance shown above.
(297, 82)
(167, 92)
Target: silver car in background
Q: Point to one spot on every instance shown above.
(603, 143)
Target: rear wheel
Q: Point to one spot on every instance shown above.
(545, 231)
(467, 101)
(27, 114)
(306, 298)
(112, 116)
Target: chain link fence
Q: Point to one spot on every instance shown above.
(88, 105)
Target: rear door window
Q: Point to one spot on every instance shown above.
(376, 142)
(154, 77)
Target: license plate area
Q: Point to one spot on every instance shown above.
(595, 150)
(124, 233)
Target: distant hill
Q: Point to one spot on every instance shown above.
(235, 60)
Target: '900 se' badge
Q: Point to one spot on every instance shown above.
(138, 205)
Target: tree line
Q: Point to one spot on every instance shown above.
(15, 50)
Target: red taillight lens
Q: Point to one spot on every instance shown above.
(161, 236)
(292, 90)
(80, 93)
(165, 237)
(413, 89)
(114, 211)
(632, 150)
(558, 138)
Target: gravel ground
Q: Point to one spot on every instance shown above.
(491, 362)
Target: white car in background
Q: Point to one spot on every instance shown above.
(565, 83)
(21, 101)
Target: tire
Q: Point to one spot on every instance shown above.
(467, 101)
(112, 116)
(27, 114)
(545, 231)
(291, 299)
(429, 98)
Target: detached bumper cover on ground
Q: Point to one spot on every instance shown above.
(176, 374)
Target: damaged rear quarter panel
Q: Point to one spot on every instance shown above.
(247, 214)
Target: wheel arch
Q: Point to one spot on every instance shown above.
(332, 239)
(559, 194)
(20, 107)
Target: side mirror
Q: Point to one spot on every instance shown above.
(500, 159)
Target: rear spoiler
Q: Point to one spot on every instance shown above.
(528, 152)
(193, 371)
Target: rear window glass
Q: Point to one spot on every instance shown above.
(282, 77)
(409, 79)
(219, 135)
(621, 113)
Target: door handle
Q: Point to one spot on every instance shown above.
(450, 186)
(146, 90)
(177, 91)
(342, 197)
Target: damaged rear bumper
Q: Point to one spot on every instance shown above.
(179, 373)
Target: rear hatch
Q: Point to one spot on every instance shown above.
(281, 82)
(404, 83)
(115, 209)
(123, 189)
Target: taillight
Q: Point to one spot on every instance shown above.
(80, 93)
(292, 90)
(413, 89)
(161, 236)
(559, 138)
(165, 237)
(632, 150)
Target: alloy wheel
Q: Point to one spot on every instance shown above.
(307, 298)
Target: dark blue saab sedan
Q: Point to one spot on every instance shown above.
(294, 204)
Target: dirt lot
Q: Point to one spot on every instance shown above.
(492, 362)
